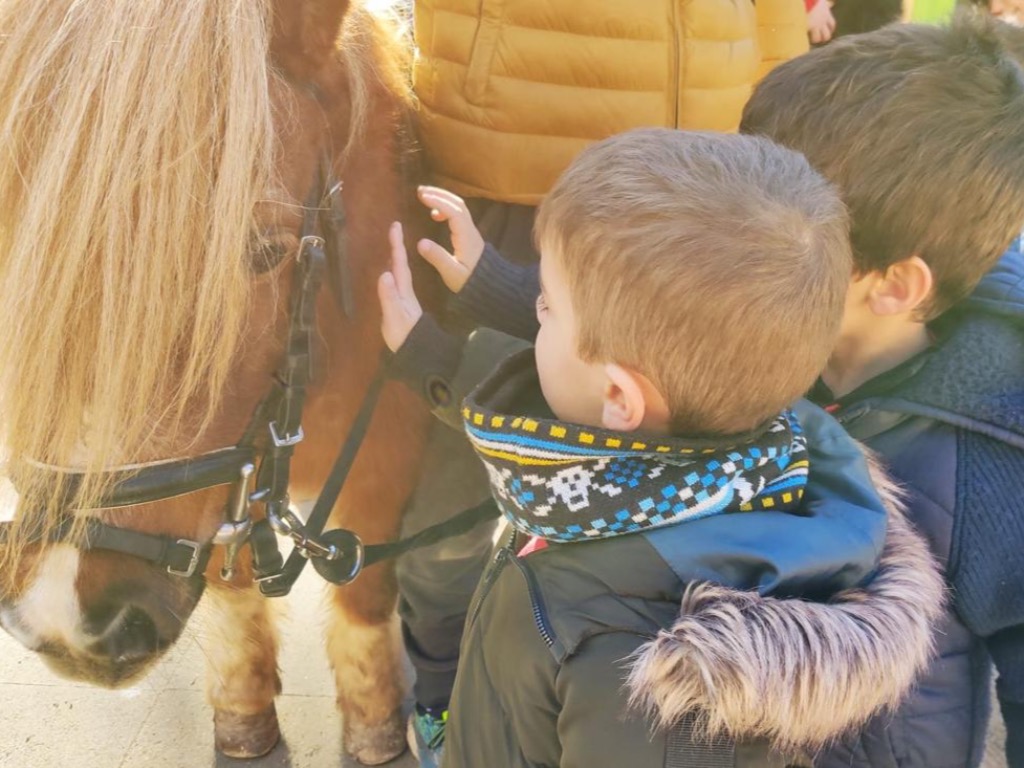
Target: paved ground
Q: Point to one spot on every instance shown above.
(164, 722)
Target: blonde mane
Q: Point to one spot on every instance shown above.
(136, 141)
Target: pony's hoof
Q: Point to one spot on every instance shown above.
(375, 744)
(238, 735)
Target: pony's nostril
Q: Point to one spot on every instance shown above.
(132, 636)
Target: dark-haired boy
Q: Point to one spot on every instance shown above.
(922, 130)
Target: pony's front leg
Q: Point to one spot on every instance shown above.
(363, 641)
(364, 647)
(240, 644)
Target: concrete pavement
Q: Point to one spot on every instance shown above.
(164, 721)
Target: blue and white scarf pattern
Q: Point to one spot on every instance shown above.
(567, 482)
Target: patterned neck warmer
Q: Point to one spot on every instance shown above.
(567, 482)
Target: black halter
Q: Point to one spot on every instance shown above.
(269, 442)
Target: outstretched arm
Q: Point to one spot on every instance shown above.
(490, 290)
(423, 353)
(502, 295)
(441, 367)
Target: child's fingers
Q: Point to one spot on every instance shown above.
(452, 271)
(397, 242)
(443, 209)
(400, 271)
(394, 324)
(390, 301)
(437, 256)
(443, 194)
(387, 292)
(446, 207)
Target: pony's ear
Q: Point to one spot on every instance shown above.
(304, 35)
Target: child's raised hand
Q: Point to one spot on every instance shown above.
(467, 241)
(821, 24)
(400, 308)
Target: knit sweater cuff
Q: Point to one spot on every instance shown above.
(427, 361)
(501, 295)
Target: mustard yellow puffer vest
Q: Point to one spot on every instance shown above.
(511, 90)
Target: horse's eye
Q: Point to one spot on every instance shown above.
(265, 254)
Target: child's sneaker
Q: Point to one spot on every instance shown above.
(426, 735)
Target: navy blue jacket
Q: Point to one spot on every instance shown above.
(950, 426)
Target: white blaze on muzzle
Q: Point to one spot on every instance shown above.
(49, 610)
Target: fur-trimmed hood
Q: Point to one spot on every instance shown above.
(819, 618)
(794, 672)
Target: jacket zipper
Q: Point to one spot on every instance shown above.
(850, 413)
(497, 566)
(540, 616)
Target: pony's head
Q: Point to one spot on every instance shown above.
(155, 159)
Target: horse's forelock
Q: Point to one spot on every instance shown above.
(136, 141)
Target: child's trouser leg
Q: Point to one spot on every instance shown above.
(436, 583)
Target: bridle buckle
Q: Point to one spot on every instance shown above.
(287, 441)
(307, 242)
(193, 562)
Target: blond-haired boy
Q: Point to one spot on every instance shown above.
(645, 456)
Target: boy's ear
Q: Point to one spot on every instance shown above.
(902, 288)
(624, 404)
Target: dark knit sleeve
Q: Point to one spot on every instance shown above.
(427, 361)
(444, 368)
(501, 295)
(985, 566)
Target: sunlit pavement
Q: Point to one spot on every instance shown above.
(165, 722)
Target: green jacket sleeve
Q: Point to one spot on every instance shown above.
(595, 727)
(444, 368)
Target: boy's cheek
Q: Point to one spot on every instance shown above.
(571, 388)
(547, 367)
(551, 370)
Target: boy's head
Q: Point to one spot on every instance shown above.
(922, 130)
(690, 282)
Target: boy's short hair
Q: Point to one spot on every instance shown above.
(714, 265)
(922, 129)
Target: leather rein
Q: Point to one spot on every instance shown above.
(258, 467)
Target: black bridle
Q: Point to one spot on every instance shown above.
(258, 467)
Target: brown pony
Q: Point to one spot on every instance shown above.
(156, 157)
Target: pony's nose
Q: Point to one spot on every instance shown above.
(131, 636)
